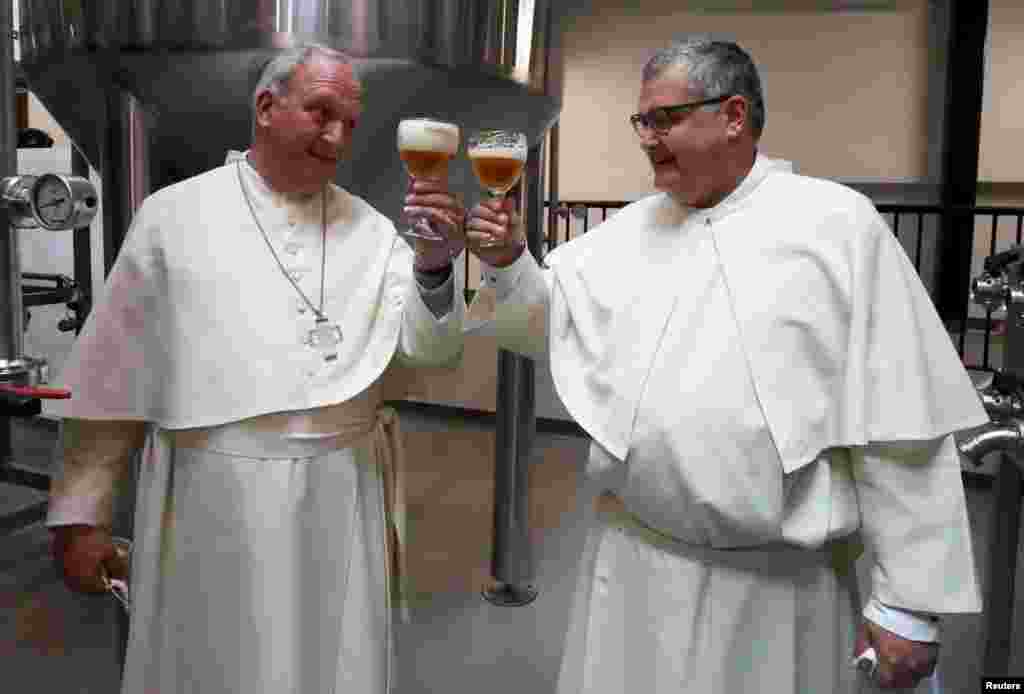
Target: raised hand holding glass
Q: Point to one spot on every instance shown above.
(426, 146)
(498, 158)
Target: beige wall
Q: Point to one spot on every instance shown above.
(1002, 120)
(845, 92)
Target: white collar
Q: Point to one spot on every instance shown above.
(262, 191)
(763, 166)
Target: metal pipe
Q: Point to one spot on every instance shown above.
(511, 557)
(82, 245)
(115, 165)
(1002, 565)
(12, 367)
(553, 192)
(994, 436)
(512, 563)
(11, 318)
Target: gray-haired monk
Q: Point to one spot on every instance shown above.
(766, 383)
(241, 342)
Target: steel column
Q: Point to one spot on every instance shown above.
(11, 308)
(512, 563)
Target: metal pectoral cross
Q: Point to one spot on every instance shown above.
(325, 337)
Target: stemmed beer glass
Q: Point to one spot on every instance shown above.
(498, 158)
(426, 146)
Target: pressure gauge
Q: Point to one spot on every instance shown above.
(50, 201)
(62, 202)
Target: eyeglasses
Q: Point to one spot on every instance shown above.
(660, 119)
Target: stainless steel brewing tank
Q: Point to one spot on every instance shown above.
(191, 64)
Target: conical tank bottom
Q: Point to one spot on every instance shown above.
(191, 65)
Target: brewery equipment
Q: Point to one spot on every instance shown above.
(1001, 287)
(54, 203)
(25, 202)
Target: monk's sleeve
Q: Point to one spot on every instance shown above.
(432, 318)
(114, 372)
(512, 306)
(95, 457)
(914, 520)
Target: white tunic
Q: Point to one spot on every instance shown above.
(269, 499)
(739, 369)
(198, 326)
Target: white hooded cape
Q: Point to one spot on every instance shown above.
(198, 328)
(843, 344)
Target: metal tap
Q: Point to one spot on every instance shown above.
(1005, 436)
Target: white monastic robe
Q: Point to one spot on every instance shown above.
(267, 506)
(750, 374)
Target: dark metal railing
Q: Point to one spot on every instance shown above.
(977, 334)
(570, 218)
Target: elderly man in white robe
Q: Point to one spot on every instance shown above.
(242, 340)
(768, 389)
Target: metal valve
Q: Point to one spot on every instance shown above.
(991, 292)
(1001, 284)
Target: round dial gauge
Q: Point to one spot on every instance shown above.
(53, 201)
(60, 202)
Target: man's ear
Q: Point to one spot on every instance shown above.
(264, 104)
(737, 113)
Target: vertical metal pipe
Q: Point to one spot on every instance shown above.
(11, 319)
(511, 561)
(534, 176)
(511, 555)
(82, 247)
(553, 192)
(1002, 567)
(115, 169)
(1002, 563)
(139, 178)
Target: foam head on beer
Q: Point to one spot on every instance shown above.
(497, 167)
(426, 146)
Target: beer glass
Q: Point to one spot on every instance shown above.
(498, 158)
(426, 146)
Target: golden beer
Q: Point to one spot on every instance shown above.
(425, 163)
(498, 158)
(425, 147)
(497, 171)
